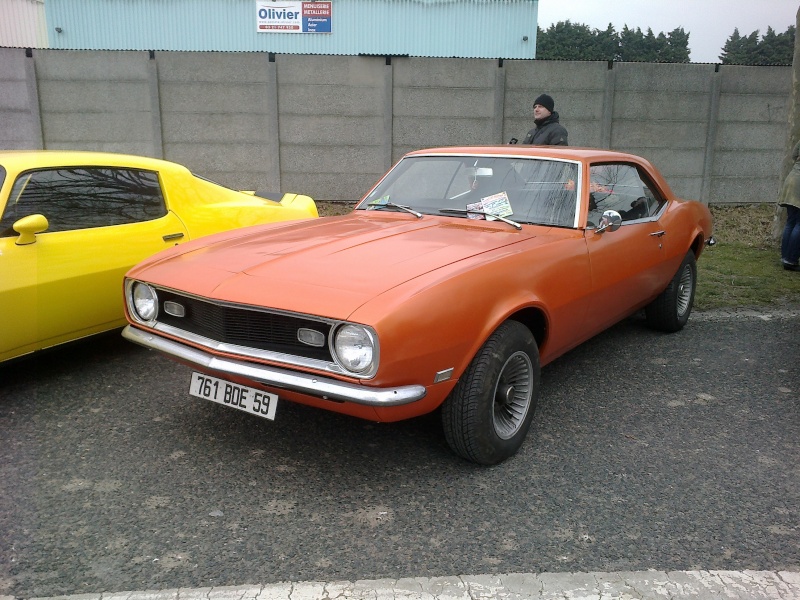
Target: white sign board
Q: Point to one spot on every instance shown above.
(293, 17)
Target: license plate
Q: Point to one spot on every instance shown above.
(250, 400)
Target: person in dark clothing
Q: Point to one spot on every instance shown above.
(789, 197)
(548, 131)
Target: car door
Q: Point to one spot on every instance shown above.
(67, 282)
(626, 264)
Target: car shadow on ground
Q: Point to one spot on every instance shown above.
(150, 388)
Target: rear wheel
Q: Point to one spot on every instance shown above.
(671, 309)
(487, 415)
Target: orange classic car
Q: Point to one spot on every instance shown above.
(457, 276)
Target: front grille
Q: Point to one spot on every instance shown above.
(274, 332)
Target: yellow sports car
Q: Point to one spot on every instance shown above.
(72, 224)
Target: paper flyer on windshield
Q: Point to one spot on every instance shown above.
(496, 204)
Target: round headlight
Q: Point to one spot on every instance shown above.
(356, 348)
(144, 301)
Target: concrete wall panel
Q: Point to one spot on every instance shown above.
(588, 134)
(94, 100)
(755, 80)
(214, 160)
(14, 96)
(205, 128)
(424, 132)
(627, 135)
(444, 72)
(16, 130)
(195, 67)
(218, 97)
(330, 99)
(57, 65)
(345, 71)
(660, 77)
(770, 136)
(95, 127)
(216, 116)
(332, 122)
(660, 105)
(688, 188)
(552, 76)
(744, 190)
(333, 159)
(752, 109)
(329, 130)
(12, 64)
(19, 124)
(430, 102)
(755, 163)
(685, 162)
(104, 96)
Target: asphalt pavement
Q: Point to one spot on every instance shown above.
(657, 467)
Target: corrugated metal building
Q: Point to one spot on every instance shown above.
(434, 28)
(23, 24)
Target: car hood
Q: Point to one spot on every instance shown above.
(327, 266)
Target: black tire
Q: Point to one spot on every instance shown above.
(487, 415)
(671, 309)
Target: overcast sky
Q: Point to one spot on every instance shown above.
(709, 22)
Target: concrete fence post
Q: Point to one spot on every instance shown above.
(32, 84)
(711, 137)
(608, 106)
(499, 102)
(388, 114)
(155, 106)
(272, 167)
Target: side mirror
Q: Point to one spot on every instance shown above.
(610, 220)
(28, 227)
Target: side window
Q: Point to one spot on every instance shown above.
(84, 197)
(655, 201)
(619, 187)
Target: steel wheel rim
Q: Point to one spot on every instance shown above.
(512, 395)
(685, 285)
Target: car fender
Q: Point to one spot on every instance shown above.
(460, 306)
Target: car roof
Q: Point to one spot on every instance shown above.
(561, 152)
(18, 160)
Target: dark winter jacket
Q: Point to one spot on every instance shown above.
(548, 132)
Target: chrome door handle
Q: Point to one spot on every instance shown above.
(658, 233)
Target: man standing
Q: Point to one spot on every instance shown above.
(548, 131)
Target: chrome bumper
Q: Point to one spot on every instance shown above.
(310, 385)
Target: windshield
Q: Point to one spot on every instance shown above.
(527, 190)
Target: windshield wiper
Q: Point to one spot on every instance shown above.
(408, 209)
(469, 211)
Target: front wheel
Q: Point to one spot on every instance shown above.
(487, 415)
(671, 309)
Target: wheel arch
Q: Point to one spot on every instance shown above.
(698, 244)
(535, 320)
